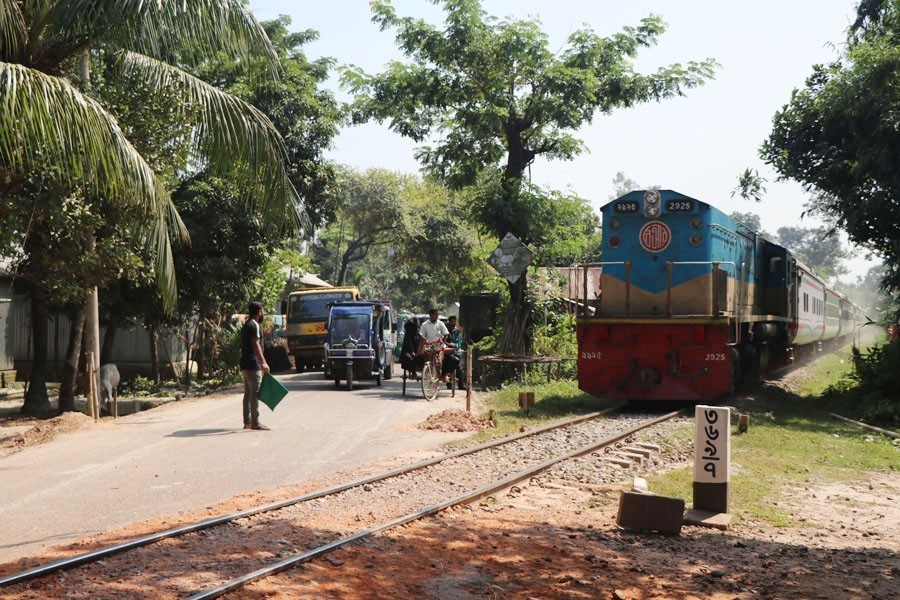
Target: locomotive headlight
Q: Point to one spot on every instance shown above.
(651, 204)
(696, 239)
(614, 224)
(696, 222)
(615, 242)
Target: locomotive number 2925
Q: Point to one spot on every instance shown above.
(715, 357)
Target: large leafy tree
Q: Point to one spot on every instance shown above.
(839, 135)
(51, 129)
(371, 215)
(818, 247)
(441, 258)
(494, 95)
(400, 237)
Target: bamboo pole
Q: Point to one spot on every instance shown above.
(91, 386)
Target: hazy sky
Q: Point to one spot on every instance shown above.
(697, 144)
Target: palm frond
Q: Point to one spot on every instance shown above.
(234, 138)
(12, 30)
(47, 125)
(171, 30)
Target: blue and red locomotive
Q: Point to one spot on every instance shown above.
(692, 302)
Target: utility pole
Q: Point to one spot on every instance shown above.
(92, 320)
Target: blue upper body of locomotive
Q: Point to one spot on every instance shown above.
(669, 240)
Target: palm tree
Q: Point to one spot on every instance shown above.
(49, 125)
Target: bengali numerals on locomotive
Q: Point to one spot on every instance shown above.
(591, 355)
(626, 206)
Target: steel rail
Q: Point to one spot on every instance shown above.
(95, 555)
(466, 498)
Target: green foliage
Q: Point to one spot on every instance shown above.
(229, 342)
(818, 247)
(622, 185)
(496, 90)
(838, 136)
(494, 96)
(372, 214)
(401, 237)
(870, 393)
(750, 220)
(751, 186)
(303, 112)
(867, 292)
(78, 141)
(562, 229)
(141, 386)
(267, 284)
(554, 335)
(224, 264)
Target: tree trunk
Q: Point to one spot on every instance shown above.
(202, 352)
(189, 339)
(37, 402)
(515, 338)
(68, 384)
(154, 353)
(109, 338)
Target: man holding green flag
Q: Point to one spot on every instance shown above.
(253, 366)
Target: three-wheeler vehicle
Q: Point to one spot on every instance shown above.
(359, 344)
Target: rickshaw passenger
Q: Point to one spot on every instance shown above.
(454, 339)
(410, 359)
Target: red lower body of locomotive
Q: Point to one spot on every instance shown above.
(655, 360)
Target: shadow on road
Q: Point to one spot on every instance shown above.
(201, 432)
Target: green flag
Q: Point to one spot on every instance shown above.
(271, 391)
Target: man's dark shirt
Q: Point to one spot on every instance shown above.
(249, 332)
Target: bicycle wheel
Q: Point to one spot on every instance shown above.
(431, 382)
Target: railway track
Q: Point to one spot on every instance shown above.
(189, 561)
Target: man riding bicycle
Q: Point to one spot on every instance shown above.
(433, 330)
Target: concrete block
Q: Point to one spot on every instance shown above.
(630, 456)
(622, 462)
(649, 512)
(702, 518)
(639, 484)
(638, 450)
(648, 446)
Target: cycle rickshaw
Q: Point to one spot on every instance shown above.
(433, 353)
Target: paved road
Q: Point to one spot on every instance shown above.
(189, 454)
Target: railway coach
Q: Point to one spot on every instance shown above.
(693, 302)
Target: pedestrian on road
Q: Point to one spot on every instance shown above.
(253, 366)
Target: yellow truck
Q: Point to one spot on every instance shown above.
(307, 322)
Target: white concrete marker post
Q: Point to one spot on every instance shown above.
(712, 466)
